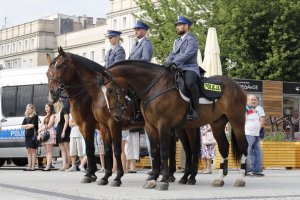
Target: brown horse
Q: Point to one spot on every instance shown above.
(163, 109)
(79, 77)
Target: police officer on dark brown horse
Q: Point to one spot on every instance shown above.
(184, 56)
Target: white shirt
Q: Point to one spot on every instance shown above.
(75, 132)
(252, 126)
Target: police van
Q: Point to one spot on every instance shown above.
(19, 87)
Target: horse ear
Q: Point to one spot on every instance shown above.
(49, 58)
(61, 51)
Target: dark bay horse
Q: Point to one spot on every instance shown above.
(79, 77)
(163, 109)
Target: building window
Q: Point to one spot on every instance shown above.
(103, 55)
(7, 49)
(32, 43)
(20, 46)
(25, 45)
(2, 50)
(84, 54)
(124, 23)
(30, 63)
(291, 105)
(14, 48)
(24, 63)
(92, 55)
(115, 24)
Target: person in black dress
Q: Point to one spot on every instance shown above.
(63, 133)
(30, 124)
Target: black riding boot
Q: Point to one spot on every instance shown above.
(137, 115)
(194, 97)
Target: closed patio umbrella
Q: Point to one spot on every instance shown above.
(212, 62)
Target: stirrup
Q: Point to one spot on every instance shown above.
(192, 115)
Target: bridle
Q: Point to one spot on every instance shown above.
(62, 87)
(119, 91)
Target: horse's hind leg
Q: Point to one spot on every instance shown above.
(239, 139)
(183, 137)
(172, 157)
(218, 129)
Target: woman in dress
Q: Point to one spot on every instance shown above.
(63, 134)
(30, 124)
(208, 148)
(48, 125)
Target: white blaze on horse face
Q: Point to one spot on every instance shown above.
(103, 88)
(55, 64)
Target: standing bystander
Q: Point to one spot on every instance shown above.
(255, 118)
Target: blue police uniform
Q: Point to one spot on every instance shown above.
(115, 54)
(184, 56)
(143, 49)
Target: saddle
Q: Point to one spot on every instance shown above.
(209, 89)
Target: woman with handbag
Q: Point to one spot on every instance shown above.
(208, 148)
(30, 124)
(48, 126)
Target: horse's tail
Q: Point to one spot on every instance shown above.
(236, 153)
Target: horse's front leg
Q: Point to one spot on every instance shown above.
(108, 160)
(194, 140)
(155, 154)
(90, 152)
(165, 136)
(117, 140)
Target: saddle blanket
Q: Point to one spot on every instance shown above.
(202, 100)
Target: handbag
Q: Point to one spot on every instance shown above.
(208, 138)
(46, 136)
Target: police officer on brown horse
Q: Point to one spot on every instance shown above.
(184, 56)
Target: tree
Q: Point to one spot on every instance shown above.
(259, 40)
(162, 15)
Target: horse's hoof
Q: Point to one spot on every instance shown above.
(94, 178)
(171, 179)
(116, 183)
(149, 184)
(102, 182)
(86, 179)
(191, 182)
(162, 186)
(182, 181)
(217, 183)
(239, 183)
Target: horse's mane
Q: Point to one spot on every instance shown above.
(89, 64)
(140, 63)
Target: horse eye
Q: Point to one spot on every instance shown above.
(109, 90)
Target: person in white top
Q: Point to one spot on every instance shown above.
(255, 118)
(76, 147)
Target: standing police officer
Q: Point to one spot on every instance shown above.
(142, 49)
(117, 52)
(184, 56)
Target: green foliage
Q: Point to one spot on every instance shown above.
(161, 18)
(277, 137)
(258, 39)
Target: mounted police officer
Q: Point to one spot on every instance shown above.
(142, 48)
(184, 56)
(117, 52)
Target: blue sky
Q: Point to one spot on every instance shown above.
(22, 11)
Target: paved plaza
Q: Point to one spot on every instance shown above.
(18, 184)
